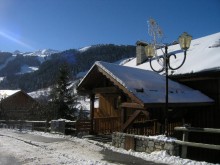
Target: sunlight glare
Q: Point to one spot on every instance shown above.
(14, 39)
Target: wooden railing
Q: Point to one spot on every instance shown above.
(171, 126)
(185, 142)
(147, 128)
(83, 125)
(107, 125)
(151, 127)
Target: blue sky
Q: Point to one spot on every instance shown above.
(28, 25)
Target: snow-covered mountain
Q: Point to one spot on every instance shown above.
(29, 63)
(40, 53)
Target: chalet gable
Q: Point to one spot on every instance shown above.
(7, 94)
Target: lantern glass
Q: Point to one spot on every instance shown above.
(150, 51)
(185, 40)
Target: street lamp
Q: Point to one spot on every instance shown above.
(184, 41)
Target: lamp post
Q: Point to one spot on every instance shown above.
(184, 41)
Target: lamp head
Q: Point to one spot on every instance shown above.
(185, 40)
(150, 51)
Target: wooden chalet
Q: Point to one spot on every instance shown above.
(126, 109)
(18, 105)
(133, 100)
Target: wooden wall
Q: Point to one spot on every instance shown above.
(204, 117)
(107, 107)
(107, 116)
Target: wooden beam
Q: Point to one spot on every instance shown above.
(132, 105)
(194, 79)
(158, 105)
(196, 129)
(206, 75)
(130, 120)
(218, 92)
(84, 92)
(92, 100)
(106, 90)
(123, 115)
(146, 113)
(200, 145)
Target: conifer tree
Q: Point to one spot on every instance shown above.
(62, 94)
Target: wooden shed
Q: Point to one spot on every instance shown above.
(18, 105)
(133, 100)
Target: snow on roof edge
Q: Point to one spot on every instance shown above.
(86, 74)
(6, 93)
(99, 63)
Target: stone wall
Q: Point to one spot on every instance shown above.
(144, 143)
(58, 126)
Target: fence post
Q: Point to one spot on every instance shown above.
(46, 126)
(20, 125)
(184, 147)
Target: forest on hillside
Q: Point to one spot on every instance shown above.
(46, 75)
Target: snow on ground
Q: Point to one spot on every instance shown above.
(70, 150)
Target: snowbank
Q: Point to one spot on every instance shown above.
(70, 150)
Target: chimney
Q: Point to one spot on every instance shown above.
(140, 52)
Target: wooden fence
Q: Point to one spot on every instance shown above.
(185, 142)
(25, 125)
(152, 127)
(147, 128)
(83, 125)
(107, 125)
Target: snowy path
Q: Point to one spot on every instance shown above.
(38, 148)
(23, 148)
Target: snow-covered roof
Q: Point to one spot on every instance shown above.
(203, 55)
(149, 87)
(6, 93)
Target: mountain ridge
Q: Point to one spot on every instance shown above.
(34, 70)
